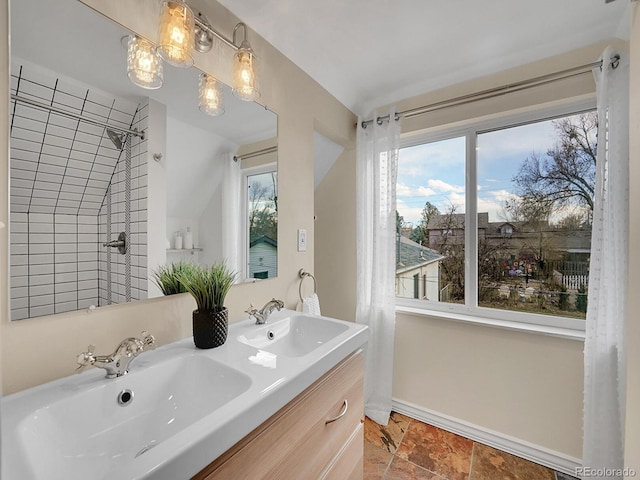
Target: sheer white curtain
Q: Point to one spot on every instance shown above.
(377, 164)
(231, 215)
(604, 389)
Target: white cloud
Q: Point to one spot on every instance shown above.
(442, 186)
(403, 190)
(410, 214)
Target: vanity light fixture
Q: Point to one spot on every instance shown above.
(203, 38)
(176, 33)
(210, 96)
(144, 66)
(245, 69)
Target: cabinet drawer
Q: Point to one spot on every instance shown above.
(296, 442)
(350, 463)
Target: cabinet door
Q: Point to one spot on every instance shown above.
(297, 443)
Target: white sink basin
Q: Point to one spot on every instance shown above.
(188, 407)
(293, 336)
(89, 433)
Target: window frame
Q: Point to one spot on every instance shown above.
(244, 210)
(470, 311)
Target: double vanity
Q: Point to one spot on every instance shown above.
(278, 400)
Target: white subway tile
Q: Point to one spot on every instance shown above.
(45, 269)
(65, 257)
(66, 287)
(41, 279)
(17, 260)
(40, 259)
(66, 277)
(66, 307)
(37, 290)
(40, 300)
(37, 248)
(19, 292)
(19, 314)
(66, 237)
(41, 311)
(19, 303)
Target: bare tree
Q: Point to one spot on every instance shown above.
(263, 215)
(566, 174)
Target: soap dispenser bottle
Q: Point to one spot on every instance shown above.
(188, 239)
(178, 240)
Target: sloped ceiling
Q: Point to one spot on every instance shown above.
(368, 53)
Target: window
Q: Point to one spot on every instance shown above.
(261, 210)
(515, 237)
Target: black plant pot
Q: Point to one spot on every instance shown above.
(210, 328)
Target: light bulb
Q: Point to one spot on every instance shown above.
(144, 67)
(210, 101)
(245, 76)
(176, 34)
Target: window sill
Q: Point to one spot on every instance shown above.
(567, 333)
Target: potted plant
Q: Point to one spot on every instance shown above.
(166, 277)
(209, 287)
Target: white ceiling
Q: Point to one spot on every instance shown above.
(368, 53)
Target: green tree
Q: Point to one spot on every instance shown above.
(420, 233)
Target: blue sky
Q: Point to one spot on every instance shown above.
(435, 172)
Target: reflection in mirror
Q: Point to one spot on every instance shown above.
(262, 209)
(87, 194)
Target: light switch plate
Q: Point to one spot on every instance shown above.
(302, 240)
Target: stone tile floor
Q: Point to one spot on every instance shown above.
(407, 449)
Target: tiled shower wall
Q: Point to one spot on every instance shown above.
(54, 263)
(138, 223)
(61, 171)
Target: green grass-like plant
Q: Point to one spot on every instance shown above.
(167, 278)
(208, 285)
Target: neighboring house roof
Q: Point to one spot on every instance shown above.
(455, 221)
(263, 239)
(414, 255)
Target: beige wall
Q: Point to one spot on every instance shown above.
(335, 246)
(632, 444)
(519, 384)
(38, 350)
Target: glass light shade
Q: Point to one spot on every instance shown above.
(176, 34)
(210, 96)
(144, 66)
(245, 74)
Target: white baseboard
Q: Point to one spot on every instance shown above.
(529, 451)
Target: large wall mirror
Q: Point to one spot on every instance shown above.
(86, 146)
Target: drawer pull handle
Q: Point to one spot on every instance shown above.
(345, 407)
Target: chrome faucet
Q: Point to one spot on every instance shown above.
(262, 315)
(117, 364)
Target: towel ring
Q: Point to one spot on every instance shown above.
(302, 274)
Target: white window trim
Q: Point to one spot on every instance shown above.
(244, 209)
(470, 312)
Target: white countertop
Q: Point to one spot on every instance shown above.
(274, 381)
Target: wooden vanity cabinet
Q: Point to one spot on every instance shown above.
(297, 443)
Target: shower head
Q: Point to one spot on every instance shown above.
(118, 140)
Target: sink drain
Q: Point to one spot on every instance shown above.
(271, 335)
(125, 398)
